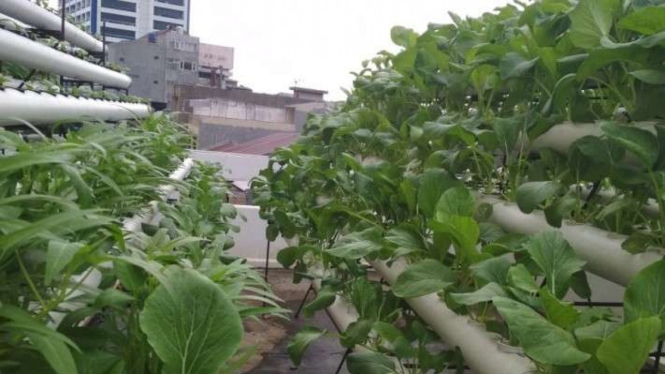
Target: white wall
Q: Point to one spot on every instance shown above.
(251, 241)
(236, 166)
(224, 108)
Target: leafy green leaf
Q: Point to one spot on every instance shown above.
(324, 298)
(288, 256)
(648, 20)
(191, 324)
(560, 313)
(626, 350)
(301, 341)
(59, 254)
(356, 333)
(423, 278)
(55, 352)
(483, 294)
(650, 76)
(591, 20)
(358, 244)
(520, 278)
(403, 37)
(556, 259)
(464, 231)
(541, 340)
(407, 238)
(456, 201)
(369, 363)
(641, 143)
(645, 294)
(492, 270)
(513, 65)
(531, 194)
(114, 298)
(433, 183)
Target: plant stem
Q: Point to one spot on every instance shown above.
(26, 275)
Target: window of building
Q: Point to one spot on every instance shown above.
(160, 25)
(118, 33)
(189, 66)
(155, 82)
(119, 19)
(169, 13)
(182, 46)
(119, 4)
(156, 57)
(172, 2)
(173, 64)
(122, 59)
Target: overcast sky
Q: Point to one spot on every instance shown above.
(314, 42)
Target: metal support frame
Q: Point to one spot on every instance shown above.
(63, 14)
(339, 330)
(30, 75)
(304, 299)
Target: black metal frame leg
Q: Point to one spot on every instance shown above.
(304, 300)
(341, 363)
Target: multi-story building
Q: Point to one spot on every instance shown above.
(160, 60)
(242, 121)
(129, 19)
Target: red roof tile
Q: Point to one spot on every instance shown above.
(260, 146)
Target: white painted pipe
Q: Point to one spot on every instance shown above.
(34, 55)
(133, 224)
(44, 108)
(12, 24)
(480, 349)
(342, 313)
(560, 137)
(32, 14)
(600, 249)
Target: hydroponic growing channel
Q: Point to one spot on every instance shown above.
(471, 181)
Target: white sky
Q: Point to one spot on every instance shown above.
(314, 42)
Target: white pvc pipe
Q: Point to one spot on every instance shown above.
(43, 108)
(600, 249)
(342, 313)
(133, 224)
(32, 14)
(34, 55)
(479, 348)
(560, 137)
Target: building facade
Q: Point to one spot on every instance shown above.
(129, 19)
(160, 60)
(242, 121)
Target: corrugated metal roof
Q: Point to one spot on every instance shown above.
(260, 146)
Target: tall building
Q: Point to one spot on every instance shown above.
(129, 19)
(162, 59)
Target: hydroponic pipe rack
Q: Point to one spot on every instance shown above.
(32, 14)
(18, 107)
(25, 52)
